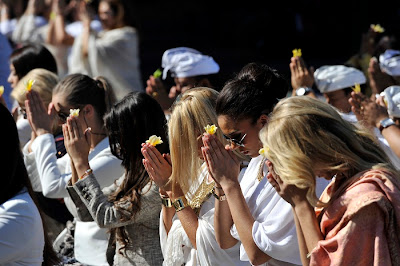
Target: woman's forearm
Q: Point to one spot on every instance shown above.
(223, 222)
(244, 221)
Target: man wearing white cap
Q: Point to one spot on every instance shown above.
(336, 82)
(189, 68)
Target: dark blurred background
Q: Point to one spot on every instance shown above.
(328, 32)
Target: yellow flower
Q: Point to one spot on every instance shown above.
(154, 140)
(211, 129)
(377, 28)
(74, 112)
(157, 73)
(1, 90)
(263, 151)
(29, 84)
(356, 88)
(296, 52)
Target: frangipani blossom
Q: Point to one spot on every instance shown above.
(296, 52)
(154, 140)
(377, 28)
(1, 90)
(261, 152)
(74, 112)
(356, 88)
(29, 84)
(210, 129)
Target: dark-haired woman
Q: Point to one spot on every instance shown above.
(133, 206)
(93, 98)
(23, 238)
(253, 213)
(22, 60)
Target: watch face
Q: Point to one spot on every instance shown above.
(300, 91)
(387, 122)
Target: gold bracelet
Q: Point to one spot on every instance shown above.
(166, 201)
(180, 203)
(87, 172)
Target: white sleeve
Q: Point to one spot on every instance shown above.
(274, 232)
(24, 131)
(30, 164)
(51, 171)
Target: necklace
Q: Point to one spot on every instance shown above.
(201, 195)
(260, 174)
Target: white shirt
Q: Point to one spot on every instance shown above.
(21, 232)
(113, 54)
(351, 117)
(91, 241)
(177, 248)
(274, 229)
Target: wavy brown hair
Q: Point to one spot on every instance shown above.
(129, 124)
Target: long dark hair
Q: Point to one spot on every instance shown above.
(253, 92)
(15, 176)
(129, 124)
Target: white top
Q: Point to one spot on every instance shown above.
(351, 117)
(274, 229)
(90, 240)
(28, 29)
(21, 232)
(177, 248)
(24, 130)
(113, 54)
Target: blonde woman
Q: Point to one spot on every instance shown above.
(357, 218)
(187, 217)
(44, 82)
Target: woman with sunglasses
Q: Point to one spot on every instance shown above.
(93, 98)
(253, 214)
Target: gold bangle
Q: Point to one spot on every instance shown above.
(166, 201)
(87, 172)
(180, 203)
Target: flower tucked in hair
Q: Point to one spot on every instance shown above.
(211, 129)
(356, 88)
(74, 112)
(263, 151)
(154, 140)
(377, 28)
(296, 52)
(1, 90)
(29, 84)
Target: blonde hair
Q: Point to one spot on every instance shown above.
(45, 82)
(303, 132)
(194, 111)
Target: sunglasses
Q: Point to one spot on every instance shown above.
(62, 117)
(235, 141)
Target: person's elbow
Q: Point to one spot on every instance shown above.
(223, 244)
(257, 257)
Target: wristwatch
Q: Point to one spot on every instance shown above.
(384, 123)
(303, 91)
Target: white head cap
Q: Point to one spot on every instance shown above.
(392, 99)
(389, 62)
(185, 62)
(337, 77)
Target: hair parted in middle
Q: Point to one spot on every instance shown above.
(194, 111)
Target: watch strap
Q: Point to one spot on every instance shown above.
(384, 123)
(180, 203)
